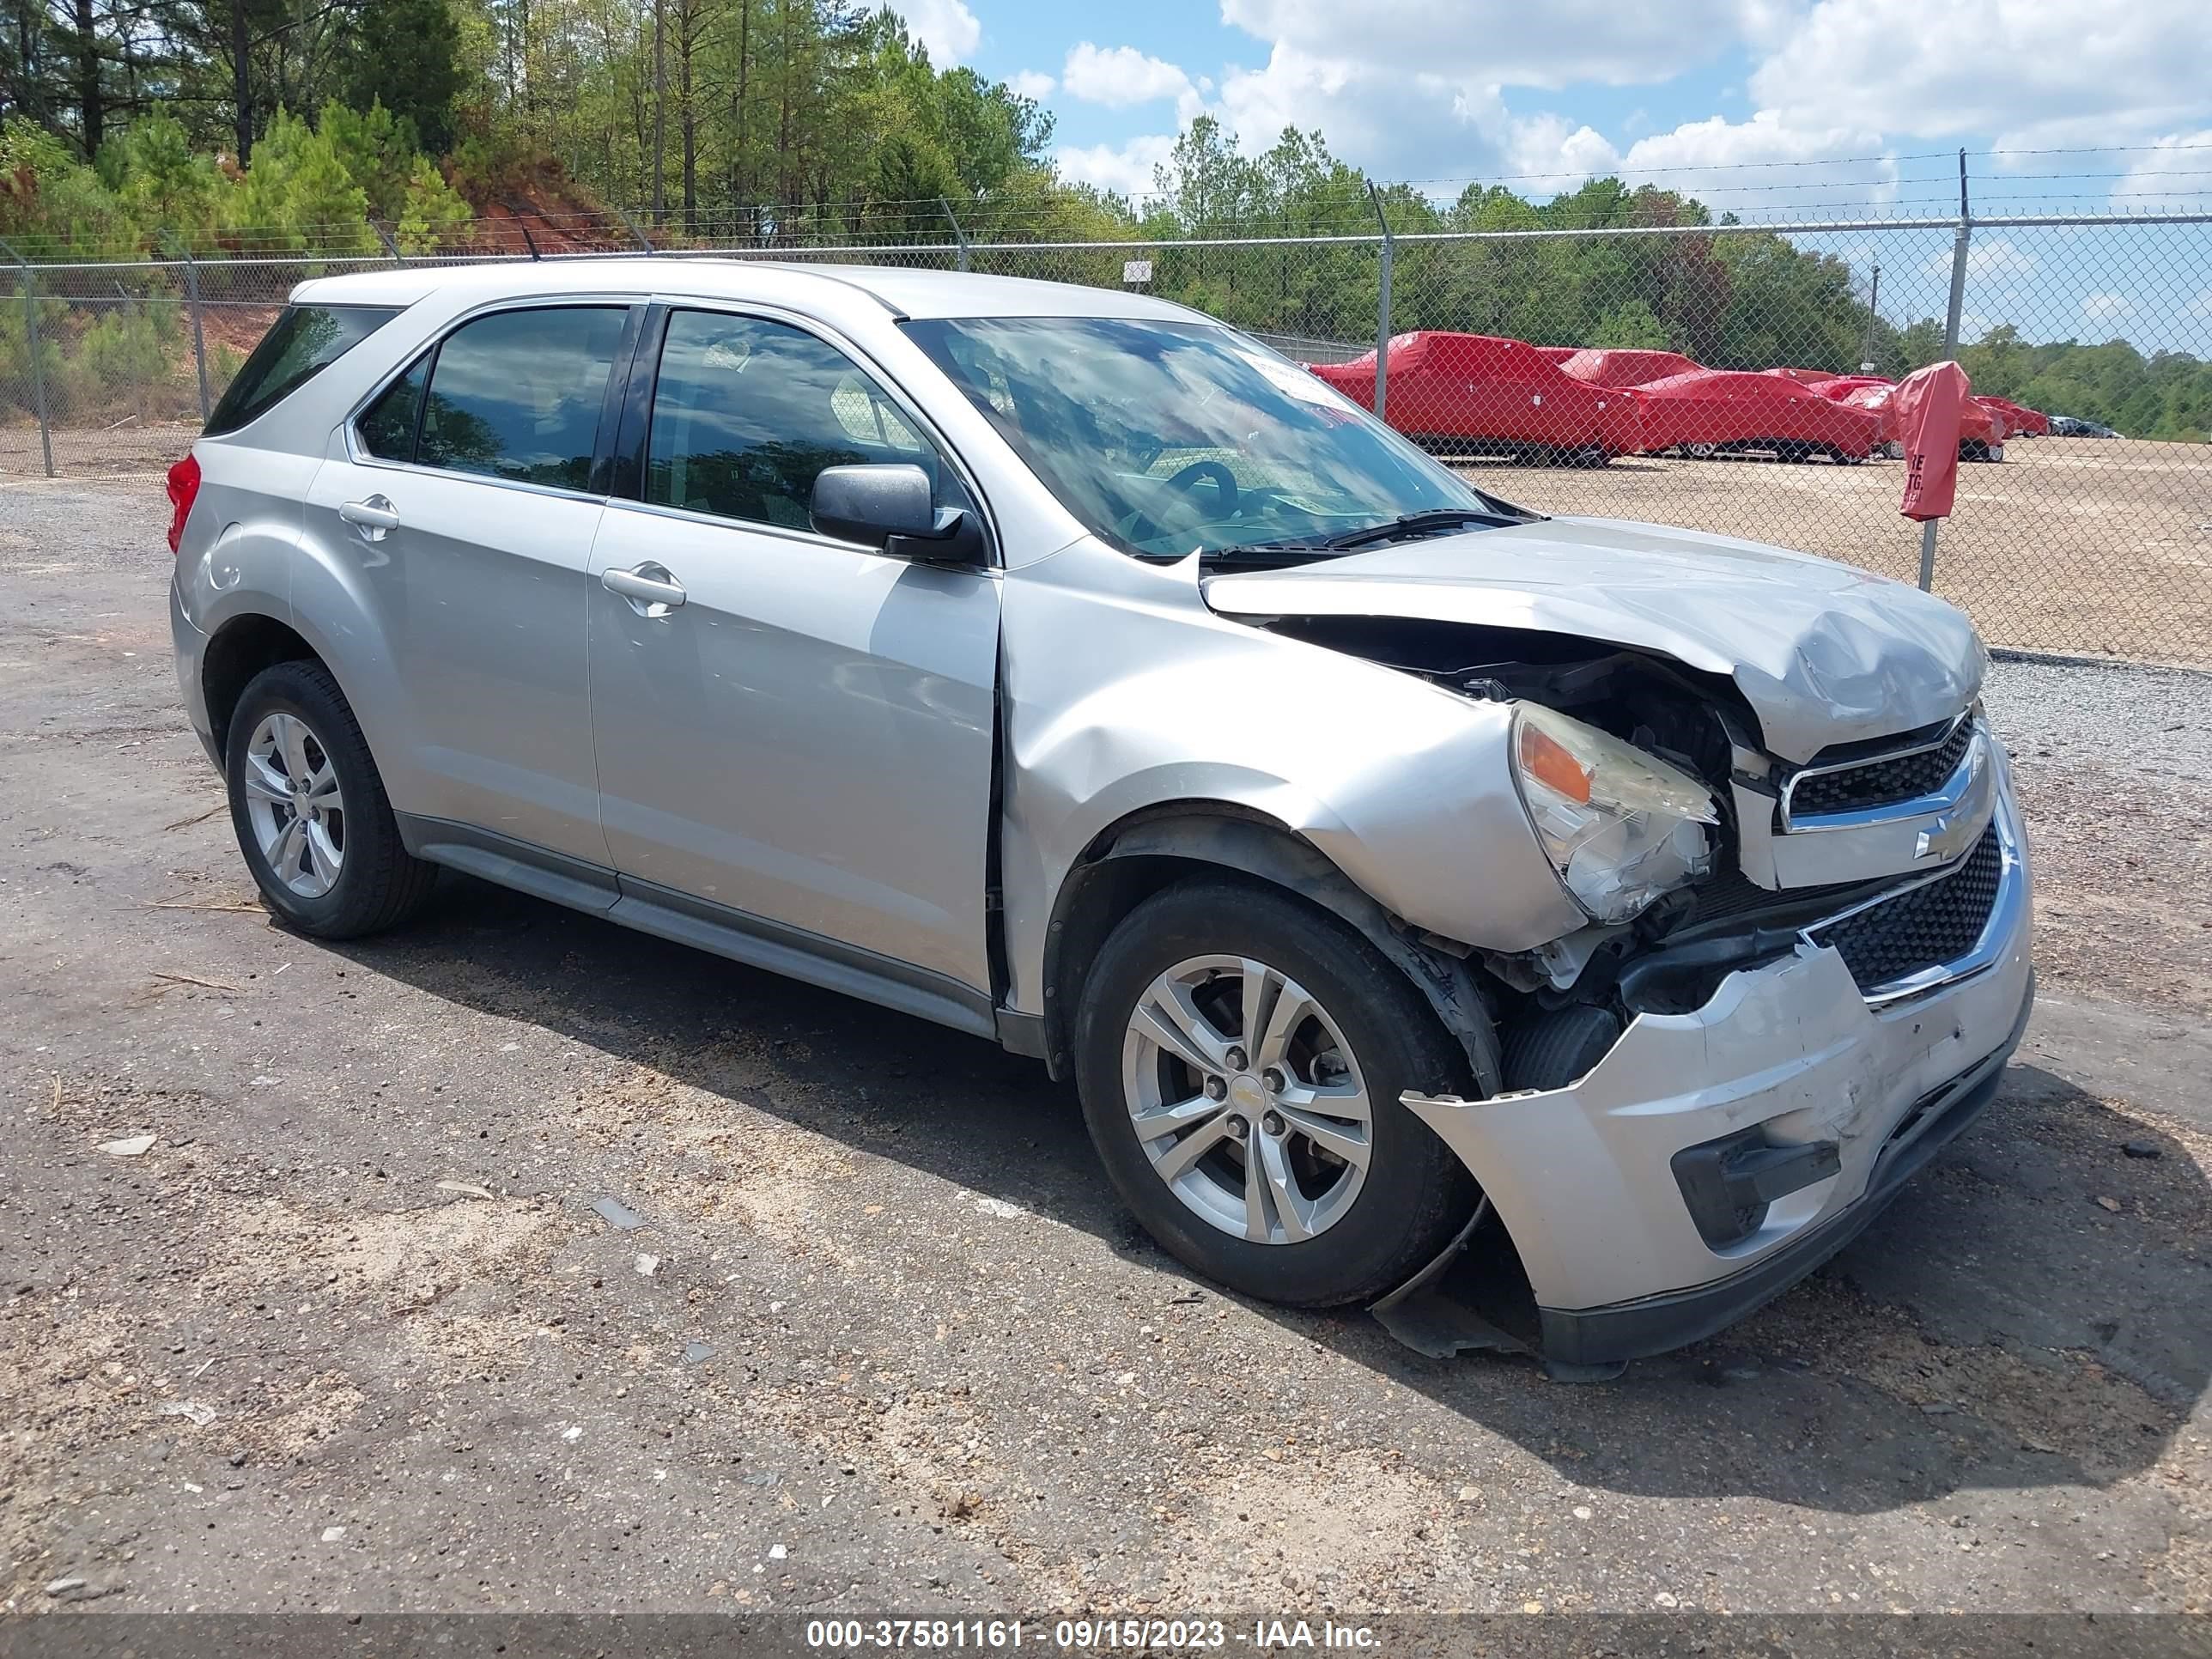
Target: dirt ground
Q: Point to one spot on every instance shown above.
(357, 1332)
(2098, 546)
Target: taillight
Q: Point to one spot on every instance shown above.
(184, 487)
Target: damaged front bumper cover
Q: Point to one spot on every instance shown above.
(1827, 1101)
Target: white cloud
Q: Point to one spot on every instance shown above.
(1430, 91)
(947, 27)
(1989, 259)
(2101, 307)
(1125, 168)
(2173, 174)
(1118, 76)
(1032, 84)
(1544, 155)
(1509, 42)
(1708, 155)
(2035, 72)
(2200, 306)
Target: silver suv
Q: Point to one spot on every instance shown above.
(1382, 861)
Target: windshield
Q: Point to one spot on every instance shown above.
(1166, 439)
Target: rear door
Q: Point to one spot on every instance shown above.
(468, 499)
(805, 735)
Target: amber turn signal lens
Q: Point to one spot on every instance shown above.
(1547, 760)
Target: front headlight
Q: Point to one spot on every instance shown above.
(1622, 826)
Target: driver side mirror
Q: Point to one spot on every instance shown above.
(888, 507)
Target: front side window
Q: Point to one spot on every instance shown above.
(1169, 438)
(746, 412)
(517, 395)
(387, 428)
(298, 345)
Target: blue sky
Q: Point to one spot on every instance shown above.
(1815, 109)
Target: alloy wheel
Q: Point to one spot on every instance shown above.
(1247, 1099)
(294, 806)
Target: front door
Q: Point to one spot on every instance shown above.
(790, 728)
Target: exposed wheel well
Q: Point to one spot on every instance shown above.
(240, 650)
(1149, 850)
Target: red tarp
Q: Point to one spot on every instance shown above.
(2020, 421)
(1752, 411)
(1557, 353)
(1876, 398)
(1930, 403)
(1805, 376)
(1477, 391)
(1625, 366)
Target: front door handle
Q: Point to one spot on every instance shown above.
(372, 517)
(651, 588)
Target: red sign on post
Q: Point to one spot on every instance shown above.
(1929, 404)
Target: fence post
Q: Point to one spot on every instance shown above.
(1383, 307)
(133, 313)
(199, 335)
(390, 246)
(958, 234)
(644, 241)
(1959, 246)
(36, 356)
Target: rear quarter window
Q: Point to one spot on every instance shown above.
(301, 344)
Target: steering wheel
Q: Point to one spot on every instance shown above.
(1214, 472)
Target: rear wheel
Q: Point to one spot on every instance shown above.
(1239, 1056)
(311, 816)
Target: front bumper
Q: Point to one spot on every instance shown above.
(1583, 1177)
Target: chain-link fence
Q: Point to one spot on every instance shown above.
(1731, 378)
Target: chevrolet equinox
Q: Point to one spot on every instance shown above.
(1375, 857)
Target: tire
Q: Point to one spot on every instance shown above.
(1551, 1050)
(372, 882)
(1412, 1193)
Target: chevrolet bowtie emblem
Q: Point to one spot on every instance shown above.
(1943, 837)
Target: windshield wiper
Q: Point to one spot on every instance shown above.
(1417, 524)
(1268, 554)
(1405, 525)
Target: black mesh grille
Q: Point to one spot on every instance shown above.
(1924, 927)
(1729, 892)
(1883, 782)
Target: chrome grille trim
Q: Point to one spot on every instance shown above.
(2003, 917)
(1944, 796)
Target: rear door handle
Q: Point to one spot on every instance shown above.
(651, 588)
(372, 517)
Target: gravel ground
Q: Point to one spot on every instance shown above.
(2099, 546)
(2115, 768)
(356, 1333)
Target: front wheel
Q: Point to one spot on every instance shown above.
(1240, 1057)
(309, 807)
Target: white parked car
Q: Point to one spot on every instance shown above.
(1068, 668)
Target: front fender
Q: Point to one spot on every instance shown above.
(1122, 691)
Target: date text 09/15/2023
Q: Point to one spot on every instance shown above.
(1082, 1635)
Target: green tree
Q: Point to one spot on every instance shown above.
(1630, 324)
(407, 57)
(299, 196)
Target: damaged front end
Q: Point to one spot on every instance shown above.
(1797, 979)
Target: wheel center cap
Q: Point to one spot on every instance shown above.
(1244, 1090)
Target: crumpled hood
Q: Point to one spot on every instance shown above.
(1824, 653)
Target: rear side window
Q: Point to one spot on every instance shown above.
(301, 344)
(518, 395)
